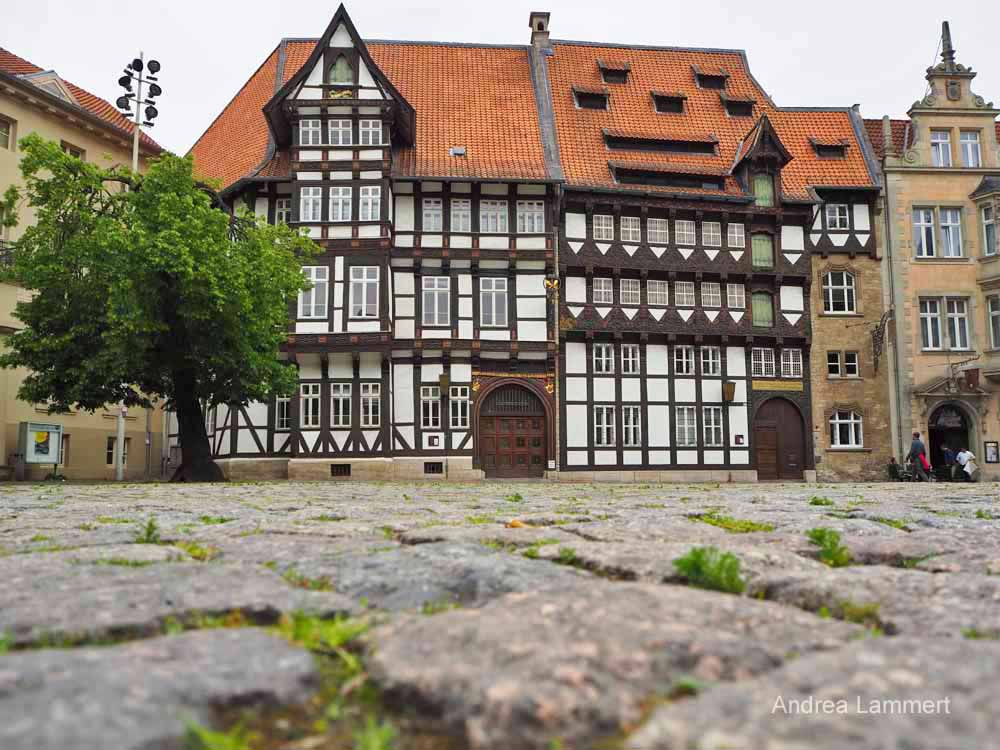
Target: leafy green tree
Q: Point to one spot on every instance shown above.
(145, 288)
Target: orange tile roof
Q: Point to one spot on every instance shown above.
(95, 105)
(900, 135)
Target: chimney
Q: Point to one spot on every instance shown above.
(539, 22)
(888, 144)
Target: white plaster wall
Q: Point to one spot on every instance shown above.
(402, 396)
(792, 299)
(576, 226)
(576, 357)
(658, 425)
(604, 389)
(792, 238)
(577, 427)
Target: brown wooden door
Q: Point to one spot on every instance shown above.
(512, 434)
(778, 441)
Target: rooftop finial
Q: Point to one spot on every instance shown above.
(947, 50)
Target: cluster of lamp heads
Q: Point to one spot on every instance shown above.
(140, 73)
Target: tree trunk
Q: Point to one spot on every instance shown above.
(196, 454)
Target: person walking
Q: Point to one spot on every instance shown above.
(918, 458)
(949, 461)
(966, 459)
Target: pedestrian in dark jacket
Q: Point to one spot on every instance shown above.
(917, 456)
(949, 461)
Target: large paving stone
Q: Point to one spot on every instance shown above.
(579, 662)
(140, 695)
(952, 686)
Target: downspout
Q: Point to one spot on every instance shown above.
(557, 422)
(889, 147)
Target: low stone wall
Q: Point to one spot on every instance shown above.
(456, 469)
(647, 475)
(253, 469)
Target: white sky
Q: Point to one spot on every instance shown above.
(804, 53)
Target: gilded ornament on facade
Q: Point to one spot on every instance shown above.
(550, 387)
(475, 386)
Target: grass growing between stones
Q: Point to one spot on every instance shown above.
(123, 562)
(816, 500)
(831, 551)
(975, 634)
(707, 568)
(200, 552)
(986, 515)
(730, 524)
(148, 534)
(893, 522)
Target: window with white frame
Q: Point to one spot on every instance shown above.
(631, 426)
(761, 362)
(989, 230)
(604, 359)
(6, 134)
(951, 233)
(957, 311)
(461, 215)
(371, 404)
(630, 359)
(371, 203)
(736, 235)
(432, 215)
(430, 407)
(930, 324)
(630, 229)
(604, 227)
(340, 404)
(833, 366)
(837, 216)
(630, 292)
(340, 204)
(312, 302)
(684, 293)
(309, 405)
(736, 297)
(340, 132)
(283, 414)
(843, 365)
(530, 217)
(852, 365)
(370, 132)
(711, 360)
(684, 232)
(687, 426)
(838, 293)
(993, 303)
(711, 233)
(310, 133)
(282, 210)
(657, 292)
(846, 429)
(971, 154)
(791, 363)
(712, 426)
(493, 217)
(923, 232)
(311, 204)
(657, 231)
(604, 426)
(941, 148)
(711, 294)
(364, 291)
(492, 302)
(604, 291)
(458, 406)
(436, 300)
(683, 360)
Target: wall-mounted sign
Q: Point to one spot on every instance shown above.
(777, 385)
(40, 443)
(992, 452)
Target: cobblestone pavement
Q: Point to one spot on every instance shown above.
(500, 616)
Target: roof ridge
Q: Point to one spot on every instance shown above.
(654, 47)
(416, 43)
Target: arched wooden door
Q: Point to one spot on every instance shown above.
(779, 446)
(512, 433)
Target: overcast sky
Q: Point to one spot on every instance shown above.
(804, 54)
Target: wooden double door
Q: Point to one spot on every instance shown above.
(779, 445)
(512, 439)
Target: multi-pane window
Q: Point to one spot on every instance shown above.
(340, 132)
(430, 407)
(852, 365)
(493, 217)
(761, 362)
(364, 291)
(604, 227)
(941, 148)
(930, 324)
(340, 204)
(711, 294)
(736, 297)
(951, 233)
(283, 414)
(994, 308)
(971, 154)
(762, 251)
(833, 364)
(791, 363)
(371, 203)
(838, 293)
(631, 426)
(763, 189)
(310, 133)
(282, 210)
(657, 292)
(530, 217)
(736, 235)
(989, 230)
(371, 132)
(604, 426)
(493, 302)
(657, 231)
(683, 360)
(684, 293)
(762, 310)
(711, 360)
(604, 359)
(461, 215)
(432, 215)
(630, 292)
(604, 293)
(843, 365)
(458, 406)
(312, 302)
(371, 404)
(684, 232)
(340, 404)
(436, 300)
(958, 323)
(836, 216)
(6, 134)
(923, 232)
(712, 427)
(309, 404)
(311, 204)
(846, 429)
(630, 359)
(630, 229)
(711, 233)
(687, 426)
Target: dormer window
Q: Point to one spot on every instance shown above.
(590, 98)
(622, 141)
(714, 78)
(763, 189)
(614, 71)
(340, 73)
(737, 107)
(660, 175)
(665, 103)
(828, 149)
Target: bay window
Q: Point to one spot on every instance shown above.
(989, 230)
(371, 203)
(310, 133)
(340, 132)
(371, 132)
